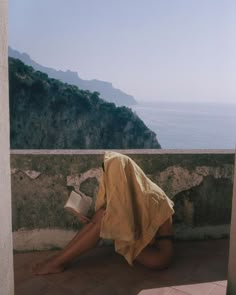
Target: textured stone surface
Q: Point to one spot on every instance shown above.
(200, 185)
(41, 239)
(231, 290)
(6, 263)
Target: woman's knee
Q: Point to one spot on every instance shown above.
(160, 264)
(157, 263)
(156, 258)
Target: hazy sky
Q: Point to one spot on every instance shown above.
(152, 49)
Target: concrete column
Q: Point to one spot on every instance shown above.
(231, 288)
(6, 260)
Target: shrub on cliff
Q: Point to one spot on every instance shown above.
(48, 114)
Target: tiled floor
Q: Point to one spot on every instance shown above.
(199, 268)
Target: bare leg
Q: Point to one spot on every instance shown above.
(159, 254)
(84, 240)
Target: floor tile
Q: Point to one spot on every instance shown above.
(218, 290)
(221, 283)
(160, 291)
(196, 289)
(163, 291)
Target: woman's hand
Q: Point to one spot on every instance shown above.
(83, 218)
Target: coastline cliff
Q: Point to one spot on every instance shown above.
(48, 114)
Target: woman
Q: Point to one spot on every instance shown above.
(132, 211)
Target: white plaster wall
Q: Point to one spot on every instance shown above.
(6, 260)
(232, 253)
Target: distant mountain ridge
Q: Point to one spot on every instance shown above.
(106, 90)
(46, 113)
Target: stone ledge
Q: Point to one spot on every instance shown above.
(131, 151)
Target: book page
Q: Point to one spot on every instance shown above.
(78, 203)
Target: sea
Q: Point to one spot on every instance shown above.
(182, 125)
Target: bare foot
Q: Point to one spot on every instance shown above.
(47, 267)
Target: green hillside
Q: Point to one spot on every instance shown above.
(48, 114)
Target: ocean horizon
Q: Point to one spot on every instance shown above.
(185, 125)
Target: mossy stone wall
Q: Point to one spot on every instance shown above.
(200, 184)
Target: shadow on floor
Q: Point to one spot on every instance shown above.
(104, 272)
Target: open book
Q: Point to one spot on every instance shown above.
(78, 203)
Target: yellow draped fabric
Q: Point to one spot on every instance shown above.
(135, 206)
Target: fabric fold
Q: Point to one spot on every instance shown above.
(135, 206)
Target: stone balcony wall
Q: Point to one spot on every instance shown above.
(200, 183)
